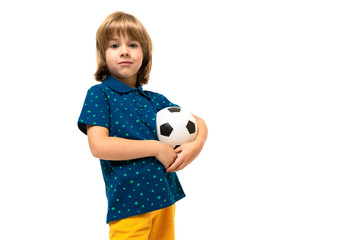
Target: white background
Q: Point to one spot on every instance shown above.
(276, 81)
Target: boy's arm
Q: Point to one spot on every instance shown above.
(118, 149)
(189, 151)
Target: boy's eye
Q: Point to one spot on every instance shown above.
(114, 46)
(133, 45)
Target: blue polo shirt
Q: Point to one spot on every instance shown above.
(134, 186)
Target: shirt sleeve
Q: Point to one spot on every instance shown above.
(95, 110)
(163, 102)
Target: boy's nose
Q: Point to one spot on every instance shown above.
(124, 52)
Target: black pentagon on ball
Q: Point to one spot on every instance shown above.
(190, 127)
(174, 109)
(166, 129)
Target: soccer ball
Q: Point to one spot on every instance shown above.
(175, 127)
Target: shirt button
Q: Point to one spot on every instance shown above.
(136, 93)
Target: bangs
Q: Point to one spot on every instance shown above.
(125, 25)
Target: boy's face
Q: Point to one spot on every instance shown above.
(124, 58)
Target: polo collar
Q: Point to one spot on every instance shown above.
(120, 87)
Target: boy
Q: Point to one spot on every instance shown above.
(119, 118)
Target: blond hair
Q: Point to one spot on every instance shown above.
(126, 24)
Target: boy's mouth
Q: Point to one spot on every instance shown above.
(125, 63)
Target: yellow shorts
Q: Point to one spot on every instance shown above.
(156, 225)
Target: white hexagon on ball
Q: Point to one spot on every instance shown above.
(174, 126)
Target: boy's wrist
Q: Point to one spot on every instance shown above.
(154, 147)
(199, 143)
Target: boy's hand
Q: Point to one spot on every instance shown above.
(165, 154)
(186, 154)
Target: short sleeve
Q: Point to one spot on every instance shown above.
(163, 102)
(95, 110)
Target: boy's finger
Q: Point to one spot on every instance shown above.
(178, 150)
(182, 166)
(175, 165)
